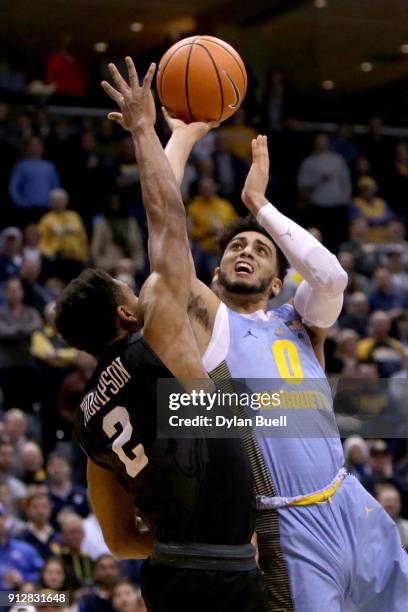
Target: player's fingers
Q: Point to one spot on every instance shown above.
(118, 78)
(255, 149)
(112, 92)
(147, 83)
(118, 117)
(132, 72)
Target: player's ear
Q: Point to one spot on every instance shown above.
(276, 286)
(216, 275)
(126, 315)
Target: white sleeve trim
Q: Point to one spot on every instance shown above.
(218, 347)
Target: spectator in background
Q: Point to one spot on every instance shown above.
(39, 532)
(116, 235)
(395, 266)
(357, 457)
(229, 171)
(73, 385)
(384, 295)
(7, 471)
(32, 463)
(343, 143)
(366, 254)
(15, 431)
(397, 390)
(17, 323)
(19, 562)
(31, 248)
(13, 524)
(93, 543)
(360, 168)
(356, 282)
(54, 360)
(208, 213)
(65, 71)
(375, 145)
(126, 181)
(10, 253)
(48, 346)
(53, 574)
(324, 180)
(396, 237)
(127, 597)
(35, 294)
(396, 182)
(390, 499)
(78, 566)
(64, 494)
(63, 239)
(346, 349)
(32, 180)
(125, 272)
(105, 576)
(355, 314)
(401, 323)
(239, 136)
(374, 210)
(379, 347)
(86, 177)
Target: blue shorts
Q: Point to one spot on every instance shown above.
(344, 555)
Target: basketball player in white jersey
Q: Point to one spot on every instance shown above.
(342, 550)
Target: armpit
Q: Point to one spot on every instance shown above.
(198, 309)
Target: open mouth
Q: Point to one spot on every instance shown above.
(243, 268)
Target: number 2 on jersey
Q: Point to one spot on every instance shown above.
(120, 415)
(288, 362)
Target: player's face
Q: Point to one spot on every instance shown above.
(249, 265)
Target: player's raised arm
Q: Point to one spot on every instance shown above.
(165, 296)
(161, 195)
(319, 297)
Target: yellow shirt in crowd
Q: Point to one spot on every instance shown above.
(63, 233)
(207, 217)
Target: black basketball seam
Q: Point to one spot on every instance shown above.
(244, 76)
(218, 78)
(164, 68)
(186, 77)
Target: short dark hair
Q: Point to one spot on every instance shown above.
(249, 224)
(86, 313)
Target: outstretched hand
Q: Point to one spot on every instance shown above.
(253, 193)
(134, 100)
(196, 130)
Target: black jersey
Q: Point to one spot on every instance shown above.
(186, 490)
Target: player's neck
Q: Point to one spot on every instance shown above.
(243, 303)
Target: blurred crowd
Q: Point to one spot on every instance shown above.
(71, 197)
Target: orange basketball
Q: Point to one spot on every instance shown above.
(201, 78)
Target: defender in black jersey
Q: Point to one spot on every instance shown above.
(195, 495)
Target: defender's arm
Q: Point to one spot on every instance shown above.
(116, 515)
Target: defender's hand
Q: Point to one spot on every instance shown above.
(253, 193)
(134, 100)
(195, 130)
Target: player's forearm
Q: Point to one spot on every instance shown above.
(161, 195)
(178, 150)
(320, 268)
(136, 545)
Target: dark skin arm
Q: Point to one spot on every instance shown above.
(165, 296)
(116, 515)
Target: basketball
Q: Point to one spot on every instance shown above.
(201, 78)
